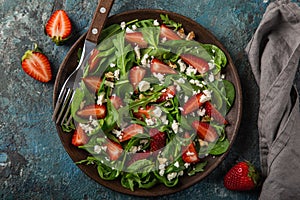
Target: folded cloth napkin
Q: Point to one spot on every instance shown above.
(274, 53)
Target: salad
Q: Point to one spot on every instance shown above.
(151, 104)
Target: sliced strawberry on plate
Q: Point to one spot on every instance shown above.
(94, 60)
(192, 104)
(167, 93)
(131, 131)
(94, 110)
(168, 33)
(205, 131)
(37, 65)
(143, 112)
(136, 75)
(114, 150)
(136, 38)
(190, 154)
(93, 83)
(138, 156)
(157, 66)
(212, 112)
(59, 27)
(198, 63)
(116, 101)
(158, 140)
(79, 137)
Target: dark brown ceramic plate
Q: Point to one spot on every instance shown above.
(234, 116)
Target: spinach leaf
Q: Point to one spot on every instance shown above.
(151, 35)
(220, 147)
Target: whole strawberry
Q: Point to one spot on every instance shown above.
(241, 177)
(37, 65)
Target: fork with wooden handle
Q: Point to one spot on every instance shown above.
(62, 108)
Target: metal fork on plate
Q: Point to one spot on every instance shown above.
(62, 108)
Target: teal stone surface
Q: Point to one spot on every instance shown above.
(33, 162)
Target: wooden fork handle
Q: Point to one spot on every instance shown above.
(99, 20)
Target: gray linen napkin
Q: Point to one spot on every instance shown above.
(274, 53)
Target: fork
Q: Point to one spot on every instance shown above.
(66, 95)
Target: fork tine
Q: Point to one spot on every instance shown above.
(64, 103)
(58, 104)
(68, 111)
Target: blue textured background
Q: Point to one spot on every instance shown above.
(33, 163)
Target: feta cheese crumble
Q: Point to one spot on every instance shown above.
(191, 71)
(101, 98)
(182, 65)
(175, 126)
(155, 23)
(144, 86)
(123, 25)
(206, 96)
(171, 176)
(137, 52)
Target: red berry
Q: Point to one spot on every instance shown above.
(242, 176)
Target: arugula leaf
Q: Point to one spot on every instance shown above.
(197, 168)
(169, 22)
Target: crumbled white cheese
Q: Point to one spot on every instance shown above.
(117, 132)
(211, 65)
(222, 76)
(211, 77)
(159, 76)
(175, 126)
(206, 96)
(171, 176)
(181, 80)
(201, 112)
(157, 112)
(155, 23)
(182, 65)
(149, 122)
(112, 65)
(144, 60)
(186, 98)
(101, 98)
(162, 160)
(191, 71)
(117, 74)
(137, 52)
(144, 86)
(134, 27)
(123, 25)
(144, 141)
(161, 172)
(176, 164)
(97, 149)
(161, 166)
(128, 30)
(186, 165)
(180, 173)
(164, 119)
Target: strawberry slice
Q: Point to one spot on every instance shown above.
(37, 65)
(136, 75)
(136, 38)
(94, 60)
(138, 156)
(79, 137)
(114, 150)
(190, 154)
(59, 27)
(116, 101)
(205, 131)
(157, 66)
(192, 104)
(166, 94)
(198, 63)
(131, 131)
(94, 110)
(143, 112)
(212, 112)
(93, 83)
(158, 139)
(168, 33)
